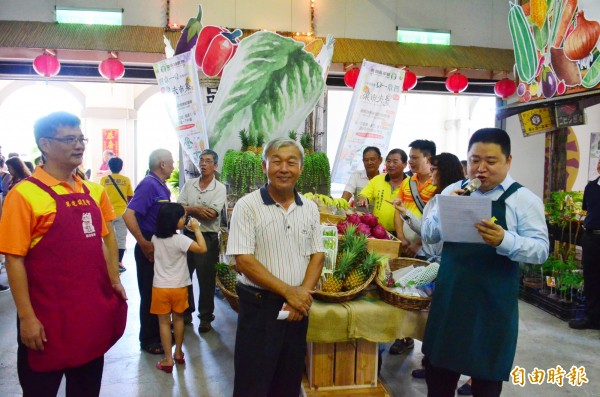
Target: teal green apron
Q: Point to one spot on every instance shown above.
(473, 322)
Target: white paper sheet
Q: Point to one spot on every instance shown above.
(458, 216)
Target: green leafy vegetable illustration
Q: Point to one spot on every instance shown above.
(269, 86)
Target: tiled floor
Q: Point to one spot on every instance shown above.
(544, 342)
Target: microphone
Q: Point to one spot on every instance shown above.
(473, 185)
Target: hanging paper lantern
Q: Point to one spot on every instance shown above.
(505, 88)
(410, 80)
(456, 83)
(111, 69)
(351, 77)
(46, 65)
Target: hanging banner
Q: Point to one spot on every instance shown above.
(370, 119)
(110, 141)
(180, 88)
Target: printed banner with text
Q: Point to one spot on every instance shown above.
(180, 87)
(370, 119)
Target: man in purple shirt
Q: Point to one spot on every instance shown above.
(140, 218)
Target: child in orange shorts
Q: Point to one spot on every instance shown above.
(172, 277)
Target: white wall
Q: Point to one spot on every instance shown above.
(478, 23)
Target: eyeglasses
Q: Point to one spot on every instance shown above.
(70, 140)
(432, 169)
(206, 161)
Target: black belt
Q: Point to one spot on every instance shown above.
(252, 293)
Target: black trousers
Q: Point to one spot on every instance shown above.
(442, 383)
(206, 271)
(590, 259)
(82, 381)
(149, 334)
(269, 353)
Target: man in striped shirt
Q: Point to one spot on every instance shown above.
(276, 240)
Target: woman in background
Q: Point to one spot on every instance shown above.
(18, 171)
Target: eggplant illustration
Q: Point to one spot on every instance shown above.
(549, 82)
(189, 34)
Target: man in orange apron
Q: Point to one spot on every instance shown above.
(70, 303)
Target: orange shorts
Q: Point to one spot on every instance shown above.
(167, 300)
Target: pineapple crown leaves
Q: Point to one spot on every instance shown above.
(371, 260)
(244, 138)
(260, 139)
(346, 264)
(306, 141)
(293, 135)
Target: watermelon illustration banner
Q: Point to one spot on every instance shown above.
(555, 46)
(370, 119)
(180, 88)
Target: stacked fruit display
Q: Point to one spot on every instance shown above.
(353, 265)
(325, 201)
(366, 224)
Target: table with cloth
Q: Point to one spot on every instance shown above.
(343, 342)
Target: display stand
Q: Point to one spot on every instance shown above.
(342, 352)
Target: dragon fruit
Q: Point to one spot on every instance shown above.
(353, 219)
(364, 229)
(379, 232)
(369, 220)
(341, 227)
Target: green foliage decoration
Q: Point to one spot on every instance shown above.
(316, 175)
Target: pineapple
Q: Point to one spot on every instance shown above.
(335, 281)
(293, 135)
(360, 273)
(260, 141)
(227, 276)
(245, 138)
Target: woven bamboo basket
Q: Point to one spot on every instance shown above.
(402, 301)
(345, 296)
(331, 218)
(230, 296)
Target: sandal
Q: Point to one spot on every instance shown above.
(180, 360)
(167, 368)
(153, 349)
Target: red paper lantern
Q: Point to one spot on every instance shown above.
(505, 88)
(46, 65)
(111, 69)
(456, 83)
(351, 77)
(410, 80)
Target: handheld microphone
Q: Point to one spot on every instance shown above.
(473, 185)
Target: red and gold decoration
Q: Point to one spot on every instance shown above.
(457, 83)
(111, 68)
(410, 81)
(47, 64)
(351, 77)
(505, 88)
(110, 140)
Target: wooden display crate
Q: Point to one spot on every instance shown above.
(390, 248)
(341, 366)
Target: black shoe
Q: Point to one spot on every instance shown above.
(402, 345)
(4, 288)
(583, 323)
(419, 373)
(465, 390)
(205, 325)
(187, 318)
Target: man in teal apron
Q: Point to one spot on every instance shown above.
(473, 322)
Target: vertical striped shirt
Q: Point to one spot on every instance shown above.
(281, 240)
